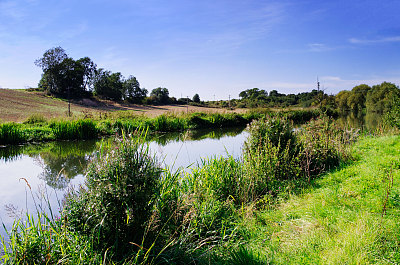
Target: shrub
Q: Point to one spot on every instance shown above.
(270, 157)
(323, 146)
(117, 203)
(35, 118)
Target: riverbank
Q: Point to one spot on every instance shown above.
(268, 208)
(349, 216)
(37, 128)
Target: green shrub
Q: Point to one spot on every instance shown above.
(35, 118)
(323, 146)
(116, 206)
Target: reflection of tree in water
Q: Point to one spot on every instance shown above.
(368, 121)
(10, 153)
(195, 135)
(64, 161)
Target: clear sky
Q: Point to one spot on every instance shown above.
(210, 47)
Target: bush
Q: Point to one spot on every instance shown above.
(117, 203)
(323, 146)
(35, 118)
(270, 157)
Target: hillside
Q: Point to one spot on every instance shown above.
(18, 104)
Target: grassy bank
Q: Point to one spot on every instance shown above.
(350, 216)
(225, 211)
(36, 128)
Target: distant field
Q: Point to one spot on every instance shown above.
(18, 104)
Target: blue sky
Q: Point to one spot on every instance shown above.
(210, 47)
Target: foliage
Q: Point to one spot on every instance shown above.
(116, 206)
(62, 75)
(361, 98)
(35, 119)
(196, 98)
(75, 129)
(11, 133)
(323, 146)
(393, 116)
(159, 95)
(40, 239)
(380, 98)
(132, 91)
(256, 97)
(270, 158)
(108, 85)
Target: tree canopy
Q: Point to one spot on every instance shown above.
(160, 95)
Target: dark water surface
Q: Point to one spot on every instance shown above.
(33, 171)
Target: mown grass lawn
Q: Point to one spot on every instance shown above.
(349, 216)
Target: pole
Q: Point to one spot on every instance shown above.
(69, 103)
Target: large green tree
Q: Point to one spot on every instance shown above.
(380, 98)
(132, 91)
(196, 98)
(63, 76)
(357, 98)
(108, 85)
(160, 95)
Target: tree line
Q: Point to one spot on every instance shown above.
(362, 98)
(65, 77)
(68, 78)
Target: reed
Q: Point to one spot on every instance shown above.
(74, 129)
(11, 133)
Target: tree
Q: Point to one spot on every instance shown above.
(357, 97)
(108, 85)
(64, 78)
(49, 63)
(160, 95)
(196, 98)
(341, 100)
(133, 92)
(380, 98)
(51, 58)
(89, 72)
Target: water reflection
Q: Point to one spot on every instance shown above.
(64, 160)
(369, 121)
(60, 161)
(194, 135)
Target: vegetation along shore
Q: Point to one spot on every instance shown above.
(321, 194)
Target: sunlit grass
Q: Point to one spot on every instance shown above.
(342, 219)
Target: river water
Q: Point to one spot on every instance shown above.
(34, 174)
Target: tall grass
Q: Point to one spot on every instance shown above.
(11, 133)
(74, 129)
